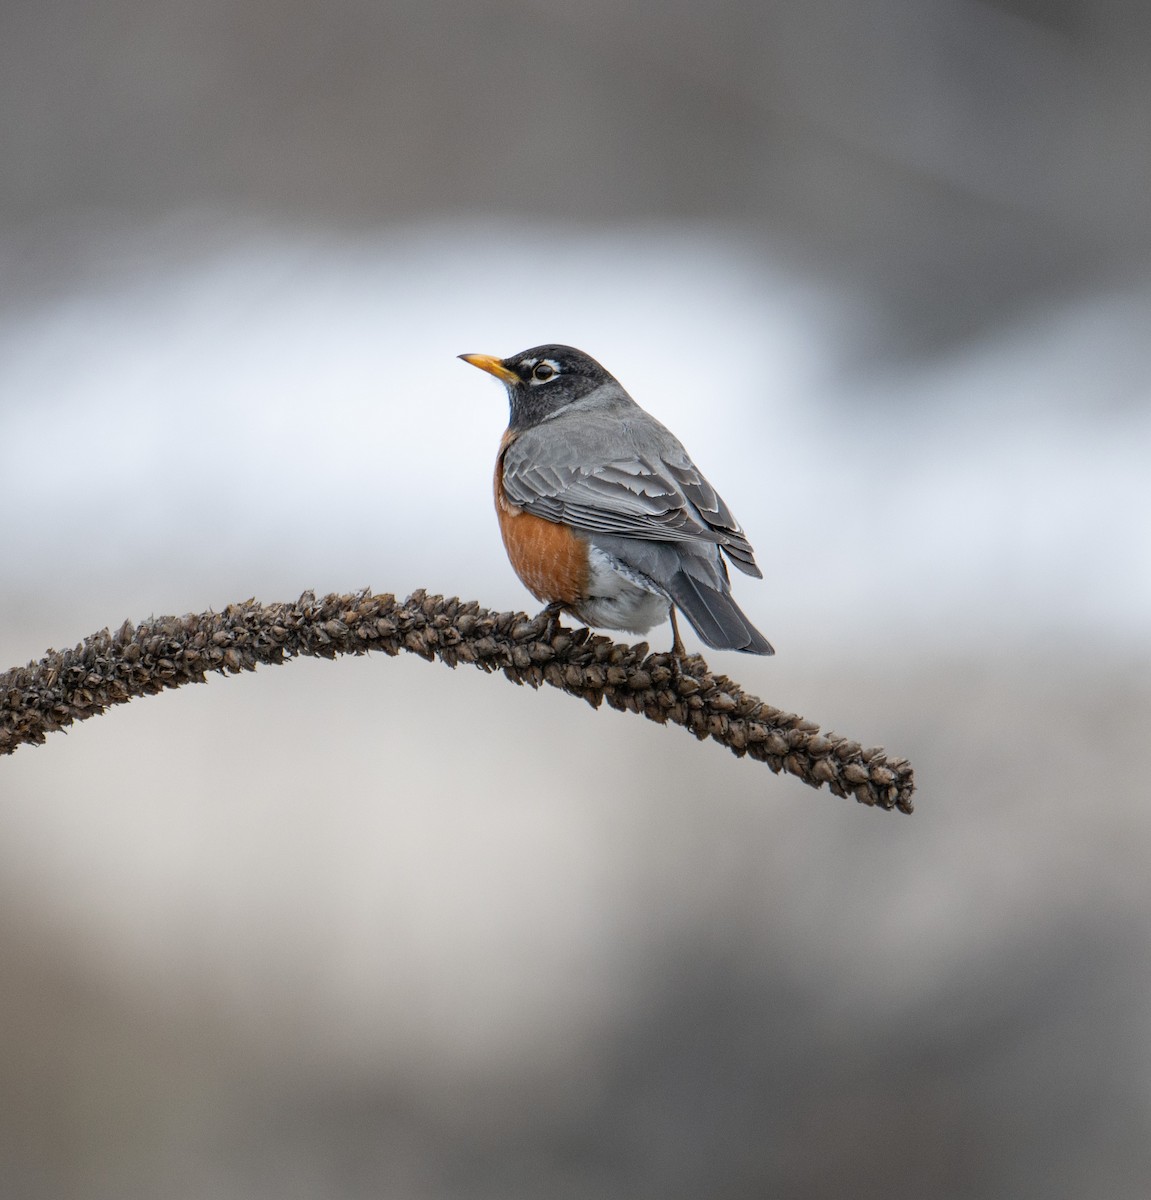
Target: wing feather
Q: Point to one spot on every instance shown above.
(655, 493)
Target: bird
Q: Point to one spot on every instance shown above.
(603, 514)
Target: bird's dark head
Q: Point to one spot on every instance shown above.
(543, 380)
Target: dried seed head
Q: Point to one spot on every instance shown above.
(164, 652)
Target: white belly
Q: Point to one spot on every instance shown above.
(619, 599)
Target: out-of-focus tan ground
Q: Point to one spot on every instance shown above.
(372, 926)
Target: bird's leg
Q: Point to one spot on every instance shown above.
(552, 612)
(678, 653)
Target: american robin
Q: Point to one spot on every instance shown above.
(603, 514)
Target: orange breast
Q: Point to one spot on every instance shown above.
(550, 560)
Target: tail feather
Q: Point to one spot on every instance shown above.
(715, 616)
(694, 578)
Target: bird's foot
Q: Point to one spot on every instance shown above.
(552, 612)
(678, 653)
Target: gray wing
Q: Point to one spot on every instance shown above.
(572, 471)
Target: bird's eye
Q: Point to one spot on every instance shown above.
(543, 371)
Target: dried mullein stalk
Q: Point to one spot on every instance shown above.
(166, 652)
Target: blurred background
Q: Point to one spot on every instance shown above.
(369, 928)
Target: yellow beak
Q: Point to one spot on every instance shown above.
(493, 366)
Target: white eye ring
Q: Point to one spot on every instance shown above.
(543, 371)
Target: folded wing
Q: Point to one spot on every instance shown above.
(653, 494)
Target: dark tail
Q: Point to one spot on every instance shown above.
(715, 616)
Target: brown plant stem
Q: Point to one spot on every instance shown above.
(167, 652)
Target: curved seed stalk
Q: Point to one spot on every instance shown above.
(167, 652)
